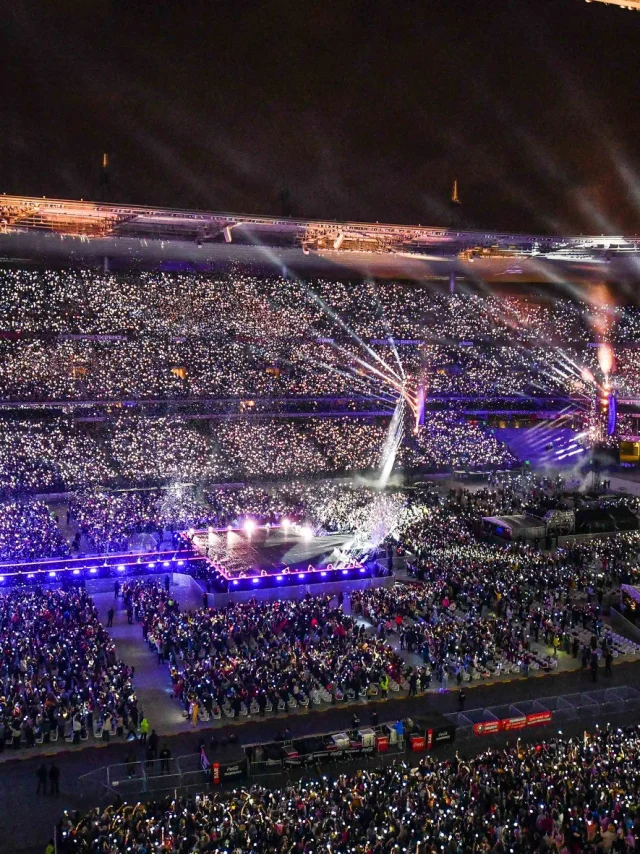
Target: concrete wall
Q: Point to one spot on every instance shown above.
(298, 591)
(105, 585)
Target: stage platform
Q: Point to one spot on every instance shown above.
(277, 556)
(100, 567)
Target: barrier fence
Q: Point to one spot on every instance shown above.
(256, 761)
(547, 710)
(147, 777)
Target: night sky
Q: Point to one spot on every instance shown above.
(364, 110)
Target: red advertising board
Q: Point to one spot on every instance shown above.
(538, 718)
(486, 728)
(509, 724)
(382, 743)
(417, 743)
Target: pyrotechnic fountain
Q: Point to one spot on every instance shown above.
(395, 435)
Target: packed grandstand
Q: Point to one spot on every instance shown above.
(137, 408)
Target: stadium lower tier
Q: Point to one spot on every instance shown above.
(45, 455)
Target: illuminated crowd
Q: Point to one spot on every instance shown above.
(80, 335)
(149, 451)
(268, 654)
(59, 673)
(197, 400)
(28, 531)
(567, 796)
(111, 521)
(84, 303)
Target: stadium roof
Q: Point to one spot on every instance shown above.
(155, 235)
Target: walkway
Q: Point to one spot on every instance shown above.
(151, 679)
(28, 820)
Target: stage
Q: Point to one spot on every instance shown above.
(277, 556)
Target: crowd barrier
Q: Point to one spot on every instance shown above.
(376, 744)
(155, 776)
(559, 709)
(424, 733)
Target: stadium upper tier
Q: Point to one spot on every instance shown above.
(82, 336)
(152, 235)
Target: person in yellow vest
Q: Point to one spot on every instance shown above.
(384, 685)
(144, 730)
(194, 713)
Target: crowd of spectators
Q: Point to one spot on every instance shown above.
(50, 455)
(86, 336)
(482, 605)
(267, 655)
(445, 441)
(80, 335)
(59, 674)
(570, 795)
(86, 303)
(111, 521)
(143, 451)
(28, 531)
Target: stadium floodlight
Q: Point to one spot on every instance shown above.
(631, 5)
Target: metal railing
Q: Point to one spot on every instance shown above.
(185, 772)
(563, 708)
(148, 776)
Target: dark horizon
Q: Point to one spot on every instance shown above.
(362, 111)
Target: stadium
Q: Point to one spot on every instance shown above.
(320, 428)
(269, 492)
